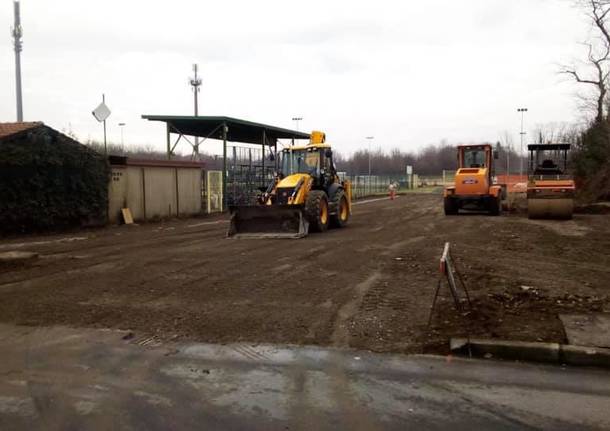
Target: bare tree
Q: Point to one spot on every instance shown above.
(591, 158)
(508, 160)
(599, 11)
(599, 78)
(553, 132)
(598, 56)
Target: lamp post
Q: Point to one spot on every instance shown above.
(507, 160)
(296, 120)
(121, 125)
(522, 111)
(369, 138)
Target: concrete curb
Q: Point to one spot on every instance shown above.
(582, 355)
(531, 351)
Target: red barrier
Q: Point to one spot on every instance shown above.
(514, 183)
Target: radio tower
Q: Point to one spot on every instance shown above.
(196, 83)
(17, 33)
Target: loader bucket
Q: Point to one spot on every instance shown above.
(550, 208)
(267, 221)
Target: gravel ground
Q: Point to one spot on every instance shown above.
(367, 286)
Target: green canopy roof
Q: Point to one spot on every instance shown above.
(238, 130)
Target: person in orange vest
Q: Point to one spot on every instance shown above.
(392, 189)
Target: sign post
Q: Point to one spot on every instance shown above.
(410, 177)
(101, 113)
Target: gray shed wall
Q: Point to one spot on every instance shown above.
(154, 192)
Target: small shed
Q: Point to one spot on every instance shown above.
(154, 189)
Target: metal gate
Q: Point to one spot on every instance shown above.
(213, 191)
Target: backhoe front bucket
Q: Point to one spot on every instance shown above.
(548, 208)
(268, 221)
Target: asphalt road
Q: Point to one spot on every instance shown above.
(70, 379)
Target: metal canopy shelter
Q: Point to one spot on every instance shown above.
(550, 147)
(224, 129)
(238, 130)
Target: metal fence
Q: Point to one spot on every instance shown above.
(444, 179)
(247, 173)
(363, 185)
(244, 181)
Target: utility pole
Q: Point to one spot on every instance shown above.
(296, 120)
(196, 83)
(522, 111)
(17, 33)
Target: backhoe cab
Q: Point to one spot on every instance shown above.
(474, 187)
(305, 194)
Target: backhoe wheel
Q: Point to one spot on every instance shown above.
(495, 206)
(339, 219)
(451, 207)
(316, 210)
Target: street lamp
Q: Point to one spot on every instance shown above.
(369, 138)
(121, 125)
(296, 120)
(522, 111)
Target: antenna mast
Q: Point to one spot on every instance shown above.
(196, 83)
(17, 32)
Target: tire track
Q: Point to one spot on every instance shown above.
(340, 335)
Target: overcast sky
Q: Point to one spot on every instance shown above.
(408, 73)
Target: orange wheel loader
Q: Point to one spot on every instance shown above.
(474, 187)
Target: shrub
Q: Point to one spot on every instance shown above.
(50, 181)
(592, 162)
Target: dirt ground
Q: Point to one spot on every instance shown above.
(367, 286)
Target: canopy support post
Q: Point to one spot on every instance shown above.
(263, 176)
(225, 129)
(169, 150)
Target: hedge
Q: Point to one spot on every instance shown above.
(49, 181)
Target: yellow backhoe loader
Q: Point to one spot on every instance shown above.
(306, 194)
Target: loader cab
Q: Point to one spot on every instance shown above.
(300, 161)
(474, 156)
(315, 160)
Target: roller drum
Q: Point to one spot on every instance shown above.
(558, 208)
